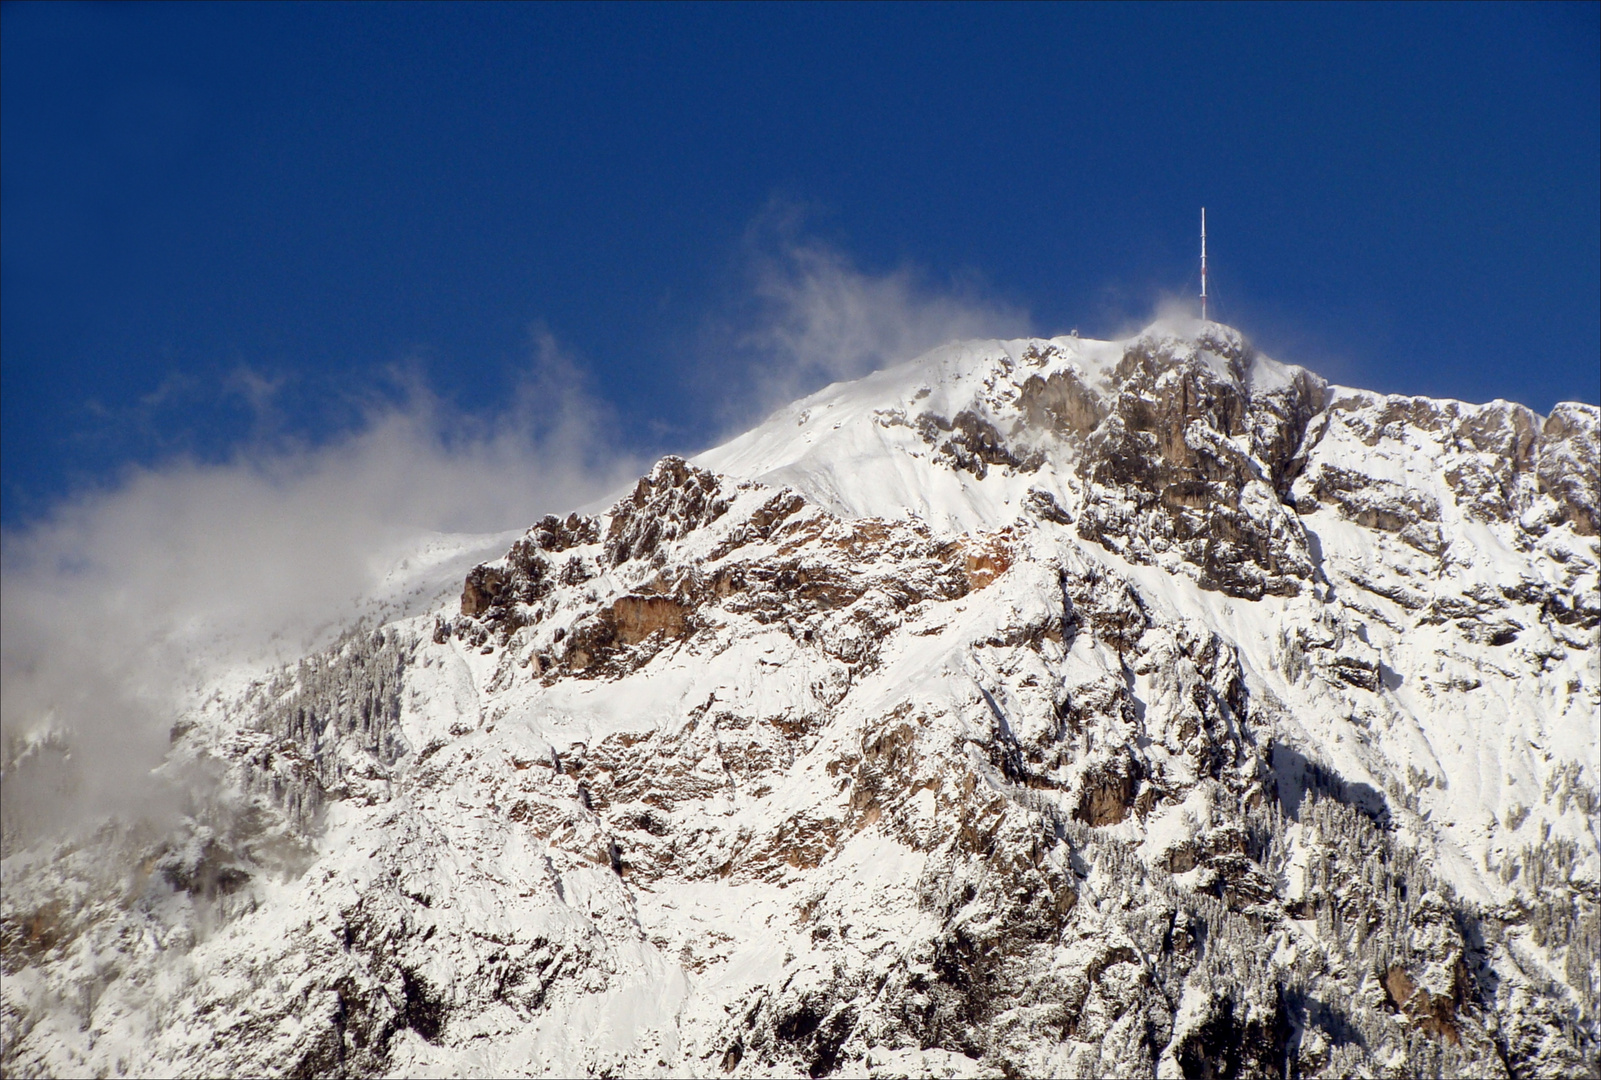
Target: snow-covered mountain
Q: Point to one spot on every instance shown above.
(1039, 707)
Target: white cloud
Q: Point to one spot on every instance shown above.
(124, 597)
(818, 318)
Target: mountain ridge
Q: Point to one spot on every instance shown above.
(1041, 706)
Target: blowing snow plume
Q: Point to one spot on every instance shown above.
(124, 602)
(812, 316)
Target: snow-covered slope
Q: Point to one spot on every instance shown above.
(1034, 707)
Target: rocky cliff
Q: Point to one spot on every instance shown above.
(1034, 708)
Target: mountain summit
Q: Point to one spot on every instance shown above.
(1036, 707)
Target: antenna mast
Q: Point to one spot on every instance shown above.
(1203, 264)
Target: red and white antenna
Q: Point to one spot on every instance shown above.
(1203, 264)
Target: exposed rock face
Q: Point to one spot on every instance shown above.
(1187, 449)
(527, 573)
(1184, 716)
(1191, 460)
(1062, 404)
(673, 500)
(1567, 467)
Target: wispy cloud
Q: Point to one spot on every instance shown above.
(813, 316)
(118, 602)
(122, 601)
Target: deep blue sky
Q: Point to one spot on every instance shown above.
(1404, 197)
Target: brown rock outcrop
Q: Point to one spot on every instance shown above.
(1170, 467)
(1569, 464)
